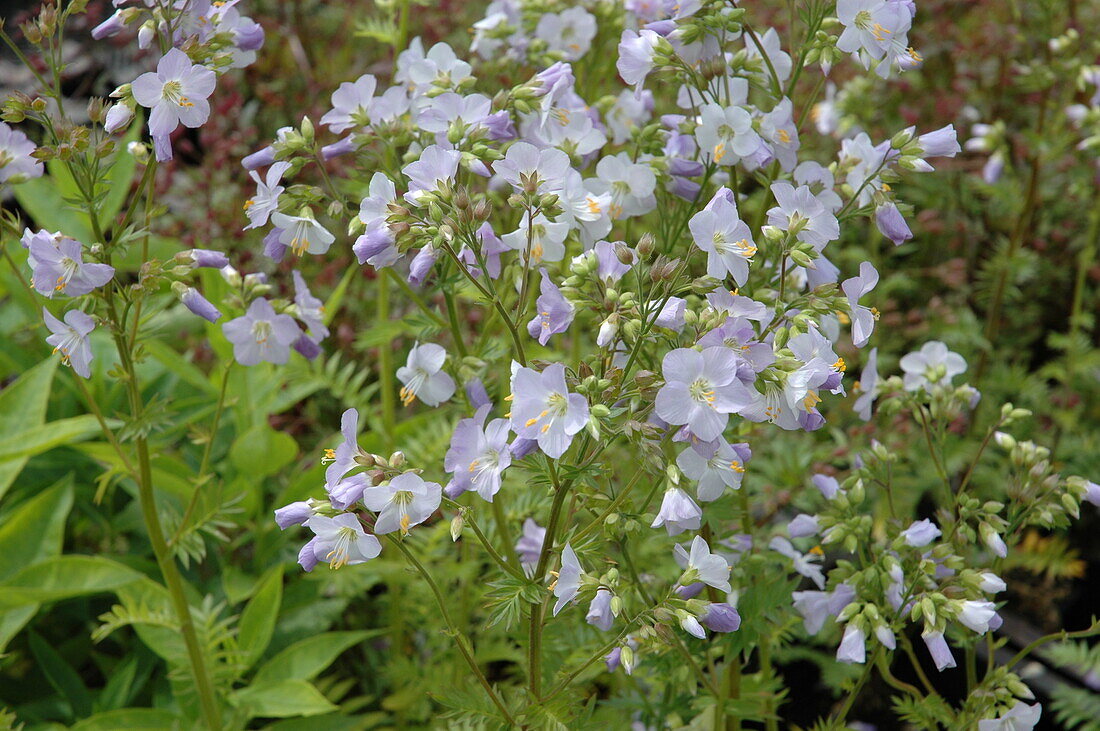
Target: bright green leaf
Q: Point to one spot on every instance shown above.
(281, 700)
(258, 618)
(306, 658)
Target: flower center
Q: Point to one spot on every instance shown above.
(863, 19)
(261, 330)
(702, 391)
(341, 549)
(173, 92)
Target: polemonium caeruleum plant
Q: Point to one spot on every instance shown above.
(624, 240)
(652, 269)
(86, 275)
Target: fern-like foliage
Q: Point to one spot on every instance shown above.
(1076, 708)
(345, 379)
(931, 712)
(1050, 556)
(120, 616)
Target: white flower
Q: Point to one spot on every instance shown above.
(351, 104)
(342, 541)
(710, 568)
(976, 615)
(853, 646)
(932, 365)
(726, 135)
(1021, 717)
(261, 206)
(302, 234)
(423, 377)
(630, 185)
(678, 512)
(724, 468)
(569, 32)
(567, 583)
(403, 502)
(175, 93)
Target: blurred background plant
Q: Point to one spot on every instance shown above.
(1002, 268)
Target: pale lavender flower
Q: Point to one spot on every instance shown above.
(672, 314)
(800, 212)
(544, 410)
(637, 54)
(725, 134)
(891, 223)
(725, 238)
(193, 300)
(16, 163)
(853, 646)
(690, 624)
(781, 132)
(991, 583)
(871, 28)
(599, 610)
(803, 525)
(808, 565)
(554, 313)
(421, 265)
(817, 606)
(266, 201)
(976, 616)
(700, 390)
(296, 513)
(302, 234)
(376, 246)
(423, 377)
(529, 545)
(863, 318)
(569, 32)
(351, 104)
(1021, 717)
(920, 533)
(630, 184)
(702, 565)
(310, 309)
(546, 238)
(942, 142)
(207, 259)
(344, 490)
(567, 583)
(403, 502)
(435, 167)
(59, 268)
(715, 465)
(932, 365)
(678, 512)
(176, 93)
(70, 338)
(341, 541)
(455, 114)
(826, 484)
(938, 649)
(307, 557)
(721, 617)
(261, 335)
(524, 164)
(478, 455)
(867, 385)
(338, 148)
(476, 393)
(609, 267)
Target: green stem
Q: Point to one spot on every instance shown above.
(463, 644)
(385, 366)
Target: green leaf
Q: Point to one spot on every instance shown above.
(258, 618)
(132, 719)
(306, 658)
(47, 436)
(262, 451)
(42, 198)
(282, 699)
(117, 692)
(61, 675)
(64, 577)
(22, 406)
(29, 533)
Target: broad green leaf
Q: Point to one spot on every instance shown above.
(262, 451)
(47, 436)
(22, 406)
(179, 366)
(306, 658)
(132, 719)
(258, 619)
(64, 577)
(33, 530)
(43, 199)
(281, 700)
(29, 533)
(61, 675)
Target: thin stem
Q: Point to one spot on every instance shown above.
(460, 639)
(1053, 637)
(385, 366)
